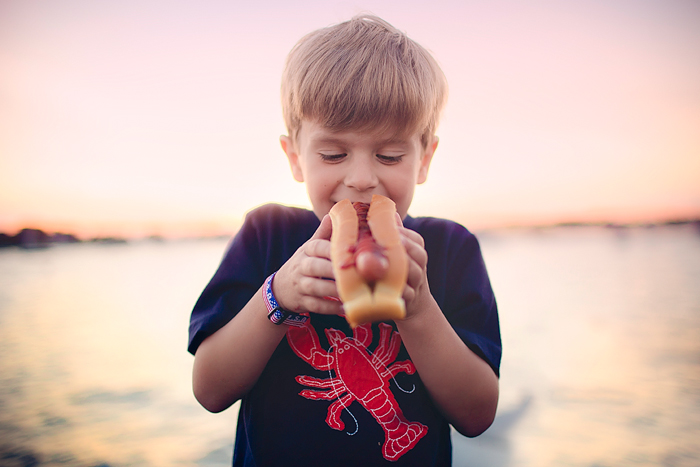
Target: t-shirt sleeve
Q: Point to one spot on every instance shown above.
(238, 277)
(460, 284)
(269, 236)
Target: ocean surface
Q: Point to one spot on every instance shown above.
(601, 365)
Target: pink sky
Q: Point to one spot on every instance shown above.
(138, 118)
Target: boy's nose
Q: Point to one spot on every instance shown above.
(361, 177)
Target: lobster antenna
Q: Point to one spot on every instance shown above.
(402, 389)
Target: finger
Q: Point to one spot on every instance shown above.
(413, 236)
(319, 248)
(324, 229)
(316, 287)
(416, 251)
(408, 294)
(317, 267)
(415, 275)
(321, 305)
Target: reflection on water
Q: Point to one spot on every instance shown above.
(93, 368)
(601, 329)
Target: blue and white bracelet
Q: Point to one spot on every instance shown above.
(276, 314)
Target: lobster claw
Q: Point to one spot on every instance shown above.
(304, 341)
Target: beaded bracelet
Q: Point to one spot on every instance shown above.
(276, 314)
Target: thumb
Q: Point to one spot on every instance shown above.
(399, 222)
(324, 230)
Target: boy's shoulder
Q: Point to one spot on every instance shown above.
(445, 238)
(274, 210)
(276, 215)
(438, 228)
(275, 227)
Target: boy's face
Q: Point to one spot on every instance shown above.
(355, 165)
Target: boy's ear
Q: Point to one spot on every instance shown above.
(426, 159)
(289, 149)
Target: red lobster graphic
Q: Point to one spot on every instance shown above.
(359, 376)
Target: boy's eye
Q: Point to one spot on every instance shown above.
(332, 157)
(389, 159)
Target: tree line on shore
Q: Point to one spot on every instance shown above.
(36, 238)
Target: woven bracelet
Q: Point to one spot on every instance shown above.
(275, 313)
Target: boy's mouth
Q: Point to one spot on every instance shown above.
(355, 200)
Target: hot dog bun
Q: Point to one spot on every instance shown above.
(365, 301)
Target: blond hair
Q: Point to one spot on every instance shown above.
(363, 74)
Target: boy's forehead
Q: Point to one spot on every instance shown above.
(319, 133)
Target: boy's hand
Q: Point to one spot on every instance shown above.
(417, 288)
(300, 286)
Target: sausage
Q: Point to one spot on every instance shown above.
(368, 257)
(369, 261)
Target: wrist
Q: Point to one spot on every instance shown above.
(275, 313)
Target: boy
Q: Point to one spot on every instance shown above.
(361, 103)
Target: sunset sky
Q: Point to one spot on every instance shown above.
(134, 118)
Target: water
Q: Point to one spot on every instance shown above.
(93, 367)
(601, 367)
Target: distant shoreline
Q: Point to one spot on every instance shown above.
(29, 238)
(36, 238)
(608, 225)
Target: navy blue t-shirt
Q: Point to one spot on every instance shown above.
(331, 396)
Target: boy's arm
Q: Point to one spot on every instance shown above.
(462, 385)
(229, 362)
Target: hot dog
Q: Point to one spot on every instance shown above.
(369, 261)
